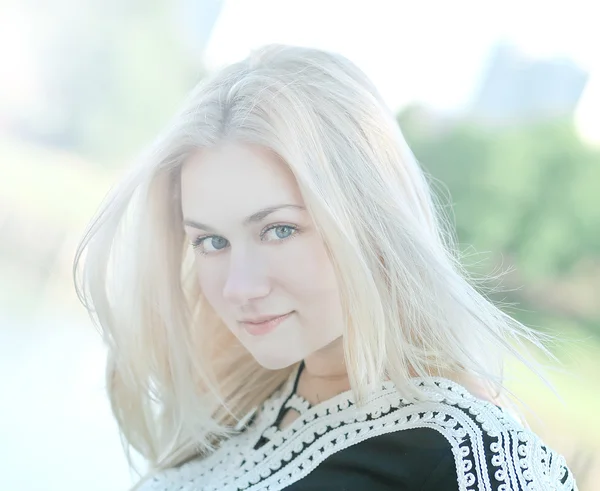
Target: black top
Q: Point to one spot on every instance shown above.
(411, 460)
(419, 459)
(447, 440)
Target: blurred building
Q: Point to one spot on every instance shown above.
(518, 88)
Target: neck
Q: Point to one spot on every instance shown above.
(324, 374)
(328, 363)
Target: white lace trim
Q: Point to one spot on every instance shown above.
(520, 460)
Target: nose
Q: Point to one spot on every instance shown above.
(247, 280)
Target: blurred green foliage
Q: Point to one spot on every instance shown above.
(529, 193)
(113, 73)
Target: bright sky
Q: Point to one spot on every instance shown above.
(18, 73)
(431, 51)
(428, 51)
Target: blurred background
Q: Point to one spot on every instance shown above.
(500, 101)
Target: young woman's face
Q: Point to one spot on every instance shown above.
(261, 264)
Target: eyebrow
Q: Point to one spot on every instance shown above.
(254, 218)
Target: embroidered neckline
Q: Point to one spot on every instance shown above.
(492, 451)
(287, 396)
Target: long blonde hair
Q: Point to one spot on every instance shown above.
(178, 381)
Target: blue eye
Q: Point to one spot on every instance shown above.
(214, 243)
(211, 243)
(279, 232)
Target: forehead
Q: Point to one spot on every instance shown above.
(236, 175)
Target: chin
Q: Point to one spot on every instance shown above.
(274, 362)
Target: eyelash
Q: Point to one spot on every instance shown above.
(295, 231)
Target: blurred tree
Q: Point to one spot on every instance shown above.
(113, 72)
(528, 193)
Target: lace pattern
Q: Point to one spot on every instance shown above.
(486, 442)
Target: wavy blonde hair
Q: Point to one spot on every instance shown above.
(178, 381)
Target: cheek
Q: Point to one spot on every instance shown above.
(211, 281)
(307, 272)
(312, 283)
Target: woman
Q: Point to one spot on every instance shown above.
(284, 307)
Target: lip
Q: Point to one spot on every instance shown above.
(264, 326)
